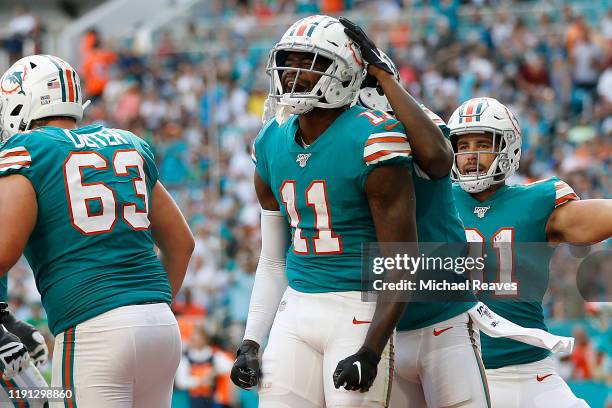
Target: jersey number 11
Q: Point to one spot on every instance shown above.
(325, 242)
(503, 244)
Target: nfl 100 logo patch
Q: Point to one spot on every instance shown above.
(302, 158)
(481, 211)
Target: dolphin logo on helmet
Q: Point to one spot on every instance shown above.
(36, 87)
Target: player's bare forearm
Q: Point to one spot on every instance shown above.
(430, 149)
(18, 213)
(171, 235)
(392, 204)
(581, 222)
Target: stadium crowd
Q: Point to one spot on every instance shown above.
(200, 111)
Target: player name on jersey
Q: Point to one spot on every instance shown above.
(102, 138)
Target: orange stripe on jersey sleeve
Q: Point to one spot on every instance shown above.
(15, 154)
(16, 151)
(382, 153)
(18, 164)
(384, 139)
(565, 199)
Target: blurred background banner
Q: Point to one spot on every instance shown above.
(189, 77)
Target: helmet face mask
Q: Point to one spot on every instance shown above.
(486, 172)
(485, 116)
(36, 87)
(281, 67)
(337, 86)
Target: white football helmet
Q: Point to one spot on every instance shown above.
(35, 87)
(373, 97)
(323, 36)
(486, 115)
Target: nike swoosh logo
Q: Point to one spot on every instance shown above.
(542, 378)
(439, 332)
(358, 364)
(389, 127)
(355, 321)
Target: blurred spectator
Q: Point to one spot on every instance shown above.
(583, 356)
(96, 64)
(21, 29)
(204, 372)
(586, 56)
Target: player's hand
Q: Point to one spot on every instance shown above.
(357, 372)
(14, 357)
(30, 337)
(369, 51)
(246, 372)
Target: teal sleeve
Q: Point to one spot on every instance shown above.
(4, 288)
(150, 167)
(384, 148)
(445, 130)
(437, 120)
(17, 156)
(258, 154)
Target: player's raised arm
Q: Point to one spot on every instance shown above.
(18, 213)
(270, 284)
(430, 149)
(172, 236)
(392, 203)
(583, 221)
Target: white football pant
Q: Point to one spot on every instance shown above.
(126, 357)
(533, 385)
(440, 366)
(311, 333)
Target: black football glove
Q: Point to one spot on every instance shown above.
(357, 372)
(369, 51)
(30, 337)
(246, 372)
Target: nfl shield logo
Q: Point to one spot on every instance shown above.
(302, 158)
(481, 211)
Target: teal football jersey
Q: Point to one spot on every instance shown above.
(514, 214)
(3, 289)
(320, 190)
(437, 221)
(91, 249)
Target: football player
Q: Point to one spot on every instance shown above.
(437, 356)
(337, 176)
(85, 207)
(486, 138)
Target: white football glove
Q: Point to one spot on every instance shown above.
(30, 337)
(14, 357)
